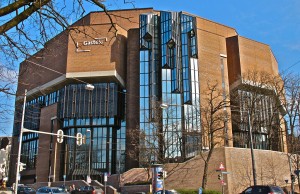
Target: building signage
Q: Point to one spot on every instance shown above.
(96, 41)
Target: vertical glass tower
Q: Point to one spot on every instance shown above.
(169, 87)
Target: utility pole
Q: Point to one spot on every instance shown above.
(290, 164)
(252, 151)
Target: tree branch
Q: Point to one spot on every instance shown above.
(23, 16)
(14, 6)
(101, 5)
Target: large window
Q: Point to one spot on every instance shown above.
(98, 115)
(29, 150)
(174, 63)
(256, 110)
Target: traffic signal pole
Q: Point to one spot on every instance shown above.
(34, 131)
(20, 144)
(22, 130)
(222, 183)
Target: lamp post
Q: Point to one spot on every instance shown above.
(119, 163)
(89, 168)
(90, 88)
(20, 144)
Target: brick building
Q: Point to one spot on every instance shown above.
(149, 70)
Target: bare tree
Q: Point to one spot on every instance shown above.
(291, 105)
(25, 28)
(257, 103)
(292, 108)
(154, 144)
(213, 119)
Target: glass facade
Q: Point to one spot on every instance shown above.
(98, 115)
(29, 150)
(261, 110)
(30, 141)
(169, 75)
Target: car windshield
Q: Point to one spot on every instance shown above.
(58, 190)
(86, 188)
(25, 189)
(277, 189)
(260, 189)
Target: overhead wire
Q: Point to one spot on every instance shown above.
(290, 67)
(48, 68)
(54, 71)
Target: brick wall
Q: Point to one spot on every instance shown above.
(271, 167)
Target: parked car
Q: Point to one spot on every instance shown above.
(51, 190)
(263, 189)
(88, 190)
(25, 190)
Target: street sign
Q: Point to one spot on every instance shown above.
(88, 179)
(221, 167)
(105, 177)
(225, 172)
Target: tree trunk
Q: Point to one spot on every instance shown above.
(204, 178)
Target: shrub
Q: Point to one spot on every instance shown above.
(187, 191)
(211, 192)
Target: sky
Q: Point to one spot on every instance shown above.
(273, 22)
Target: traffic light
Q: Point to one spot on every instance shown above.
(79, 139)
(220, 176)
(160, 175)
(84, 139)
(60, 136)
(22, 166)
(165, 174)
(292, 178)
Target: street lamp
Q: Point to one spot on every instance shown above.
(164, 106)
(89, 169)
(89, 87)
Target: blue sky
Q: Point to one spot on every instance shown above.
(273, 22)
